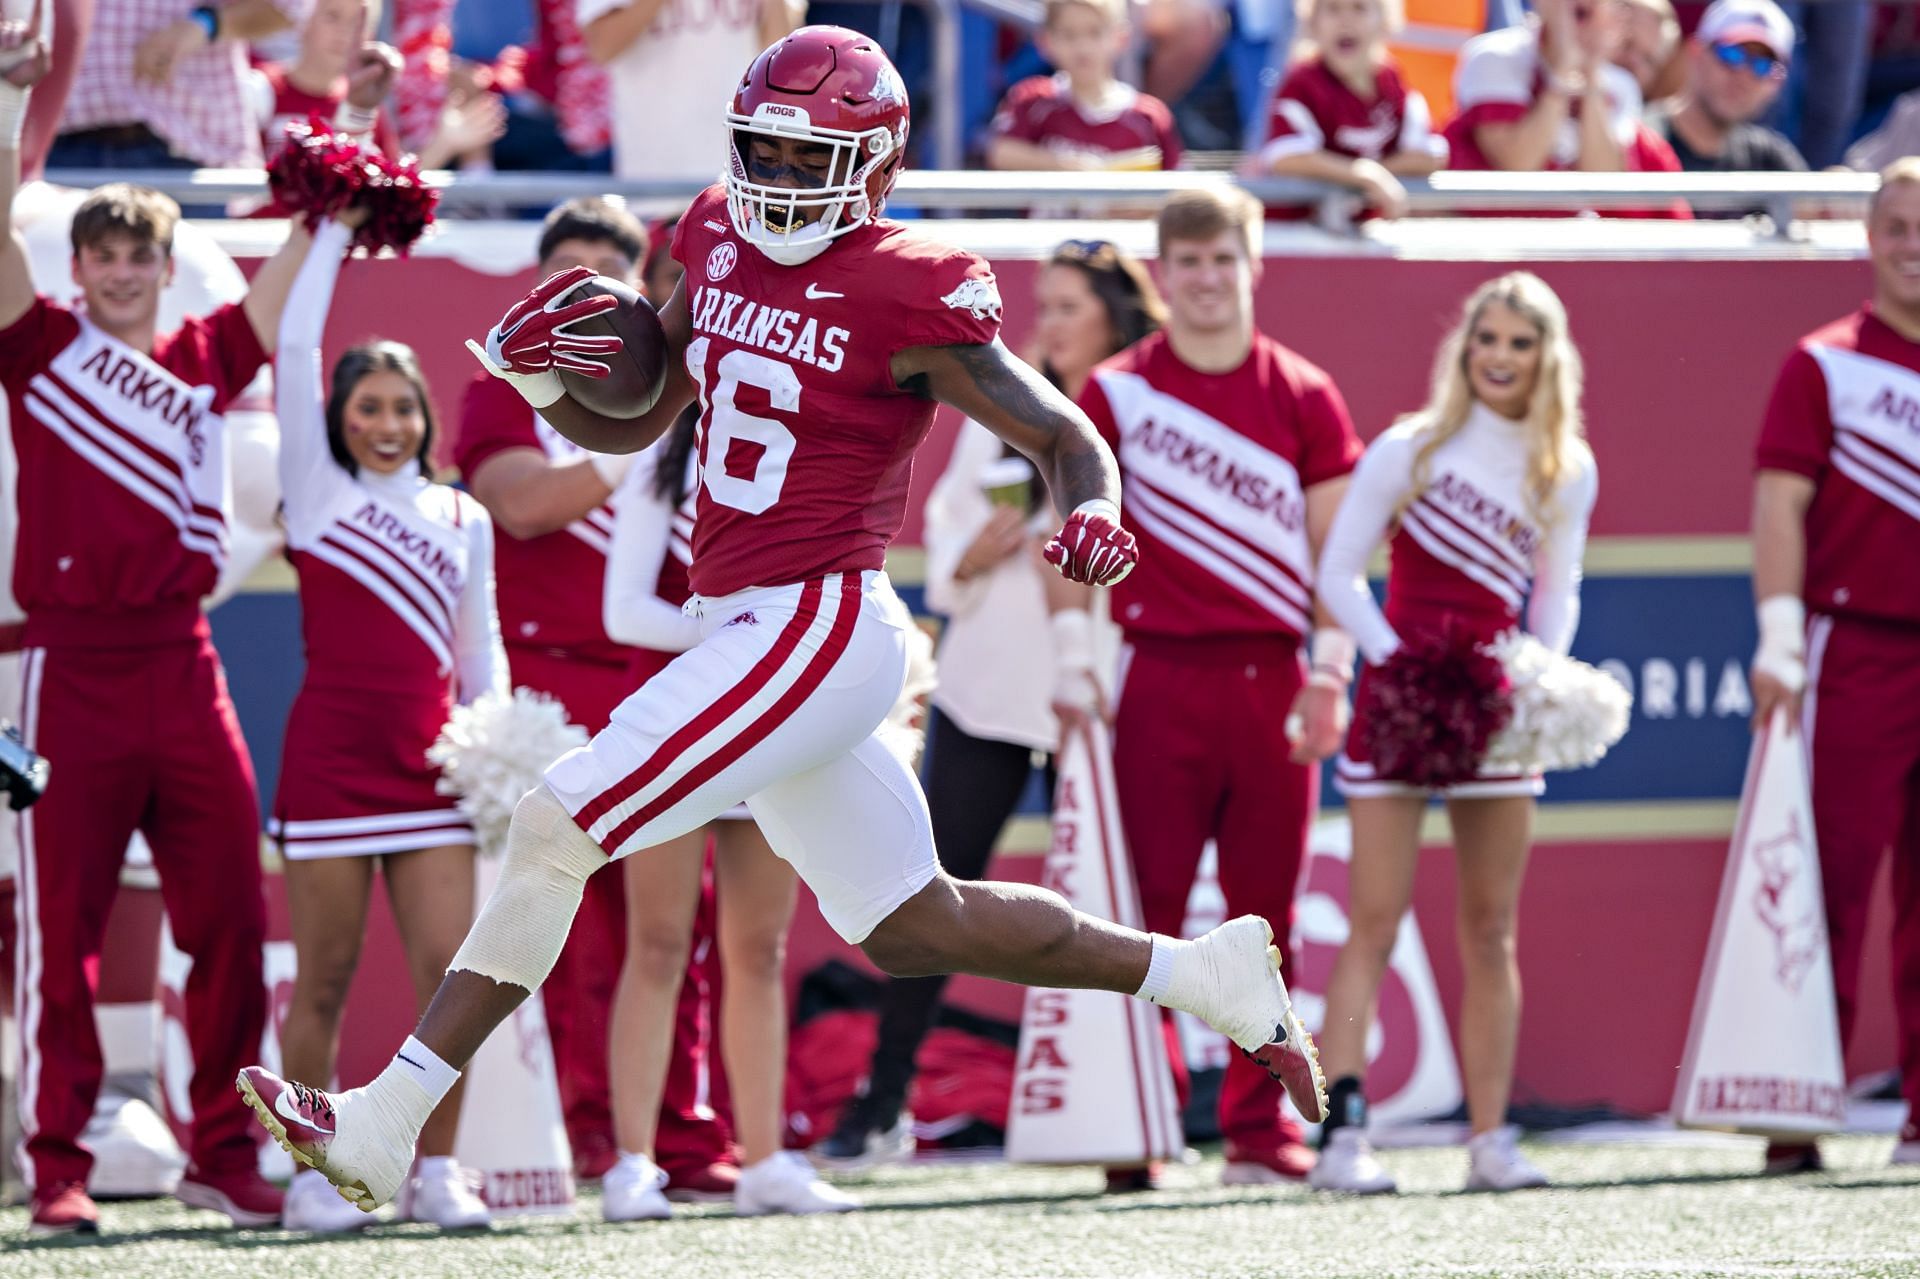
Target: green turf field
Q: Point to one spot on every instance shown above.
(1619, 1211)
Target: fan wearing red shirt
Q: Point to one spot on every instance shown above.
(1082, 117)
(1836, 536)
(1344, 115)
(550, 500)
(1546, 96)
(1234, 452)
(123, 499)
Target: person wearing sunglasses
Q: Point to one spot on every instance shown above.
(1736, 66)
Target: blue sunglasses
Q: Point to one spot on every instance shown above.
(1763, 65)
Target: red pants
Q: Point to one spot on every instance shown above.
(578, 995)
(1200, 752)
(139, 739)
(1862, 719)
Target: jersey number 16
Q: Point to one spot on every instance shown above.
(726, 423)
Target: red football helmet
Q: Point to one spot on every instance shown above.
(826, 85)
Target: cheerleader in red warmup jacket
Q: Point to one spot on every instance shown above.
(396, 604)
(1485, 494)
(754, 892)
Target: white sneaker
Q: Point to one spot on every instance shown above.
(1494, 1162)
(786, 1183)
(633, 1190)
(440, 1194)
(364, 1147)
(313, 1205)
(1347, 1165)
(1230, 979)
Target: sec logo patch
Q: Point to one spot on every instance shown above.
(720, 261)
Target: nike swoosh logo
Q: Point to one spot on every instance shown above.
(815, 293)
(280, 1107)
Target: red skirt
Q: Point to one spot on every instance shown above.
(354, 777)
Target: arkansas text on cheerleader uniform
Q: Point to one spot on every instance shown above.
(1468, 549)
(396, 603)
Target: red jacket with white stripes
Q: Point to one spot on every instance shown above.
(1215, 469)
(550, 587)
(123, 488)
(1845, 413)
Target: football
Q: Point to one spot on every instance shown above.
(638, 371)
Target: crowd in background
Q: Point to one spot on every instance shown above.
(1359, 92)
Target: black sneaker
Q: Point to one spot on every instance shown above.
(863, 1138)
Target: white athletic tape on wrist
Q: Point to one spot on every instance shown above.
(1332, 652)
(1783, 641)
(355, 120)
(541, 390)
(13, 114)
(1099, 507)
(518, 937)
(611, 467)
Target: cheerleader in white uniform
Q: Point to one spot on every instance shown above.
(754, 892)
(1485, 496)
(396, 604)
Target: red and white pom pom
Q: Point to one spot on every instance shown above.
(1429, 712)
(318, 173)
(1566, 713)
(400, 206)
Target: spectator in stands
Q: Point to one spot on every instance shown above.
(1650, 48)
(320, 81)
(673, 70)
(1480, 555)
(1182, 39)
(999, 661)
(162, 85)
(1547, 95)
(1836, 533)
(1343, 114)
(1737, 63)
(1828, 84)
(552, 503)
(1083, 117)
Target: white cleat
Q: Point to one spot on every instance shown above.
(1237, 981)
(341, 1135)
(1347, 1165)
(634, 1190)
(315, 1207)
(1494, 1162)
(786, 1183)
(440, 1193)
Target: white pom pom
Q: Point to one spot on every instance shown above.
(1566, 714)
(494, 750)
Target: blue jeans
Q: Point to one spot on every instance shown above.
(1827, 85)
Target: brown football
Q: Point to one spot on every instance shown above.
(638, 371)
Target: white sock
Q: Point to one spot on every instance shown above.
(435, 1166)
(414, 1082)
(1159, 978)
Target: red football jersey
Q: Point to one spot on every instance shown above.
(1845, 413)
(123, 487)
(1315, 110)
(806, 443)
(1214, 470)
(549, 587)
(1042, 110)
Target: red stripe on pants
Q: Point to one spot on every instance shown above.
(709, 719)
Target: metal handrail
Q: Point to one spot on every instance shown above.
(983, 190)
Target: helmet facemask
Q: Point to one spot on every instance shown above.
(792, 225)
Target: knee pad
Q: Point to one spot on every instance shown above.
(542, 876)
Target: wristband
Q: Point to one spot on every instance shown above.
(1332, 652)
(208, 18)
(1783, 624)
(1101, 508)
(355, 120)
(13, 115)
(611, 467)
(1073, 640)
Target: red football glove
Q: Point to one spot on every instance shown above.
(533, 341)
(1092, 547)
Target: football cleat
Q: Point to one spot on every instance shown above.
(340, 1135)
(1242, 977)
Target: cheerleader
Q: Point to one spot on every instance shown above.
(396, 604)
(1485, 495)
(754, 890)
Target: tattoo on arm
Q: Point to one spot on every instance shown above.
(1011, 399)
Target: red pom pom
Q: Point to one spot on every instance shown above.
(399, 206)
(1430, 711)
(318, 173)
